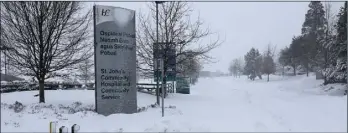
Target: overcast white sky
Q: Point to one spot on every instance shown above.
(243, 25)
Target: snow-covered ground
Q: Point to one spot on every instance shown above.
(296, 104)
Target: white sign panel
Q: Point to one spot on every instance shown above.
(115, 60)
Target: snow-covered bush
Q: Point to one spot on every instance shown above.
(336, 74)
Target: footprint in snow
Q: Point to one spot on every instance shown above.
(166, 122)
(260, 127)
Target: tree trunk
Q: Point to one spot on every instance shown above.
(267, 77)
(5, 63)
(307, 71)
(42, 70)
(157, 88)
(294, 69)
(164, 81)
(41, 91)
(326, 65)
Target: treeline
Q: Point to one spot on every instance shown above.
(255, 64)
(322, 45)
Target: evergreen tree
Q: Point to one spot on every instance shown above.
(284, 58)
(248, 58)
(268, 65)
(253, 63)
(304, 49)
(341, 40)
(313, 31)
(297, 53)
(330, 34)
(338, 70)
(294, 55)
(314, 19)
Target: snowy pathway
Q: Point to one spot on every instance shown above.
(285, 105)
(215, 104)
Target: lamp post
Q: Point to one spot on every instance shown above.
(3, 49)
(346, 40)
(156, 53)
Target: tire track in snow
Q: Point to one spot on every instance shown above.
(247, 97)
(279, 119)
(259, 126)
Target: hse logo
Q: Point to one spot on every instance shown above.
(105, 12)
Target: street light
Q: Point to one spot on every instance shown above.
(4, 48)
(159, 2)
(346, 42)
(156, 53)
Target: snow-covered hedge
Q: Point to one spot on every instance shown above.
(336, 74)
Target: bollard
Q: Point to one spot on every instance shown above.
(53, 126)
(63, 129)
(75, 128)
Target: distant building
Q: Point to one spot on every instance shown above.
(9, 78)
(204, 74)
(319, 75)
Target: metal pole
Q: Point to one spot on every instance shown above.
(1, 46)
(162, 68)
(95, 56)
(5, 63)
(0, 63)
(156, 53)
(346, 5)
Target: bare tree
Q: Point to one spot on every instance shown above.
(85, 70)
(268, 65)
(45, 36)
(329, 38)
(236, 67)
(189, 68)
(240, 66)
(176, 31)
(331, 17)
(232, 69)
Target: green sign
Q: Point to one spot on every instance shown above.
(182, 85)
(170, 76)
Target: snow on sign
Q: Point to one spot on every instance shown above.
(115, 60)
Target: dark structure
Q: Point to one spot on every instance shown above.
(9, 78)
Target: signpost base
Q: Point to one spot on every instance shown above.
(182, 85)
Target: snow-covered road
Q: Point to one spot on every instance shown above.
(230, 104)
(296, 104)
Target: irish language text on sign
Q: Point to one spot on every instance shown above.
(115, 60)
